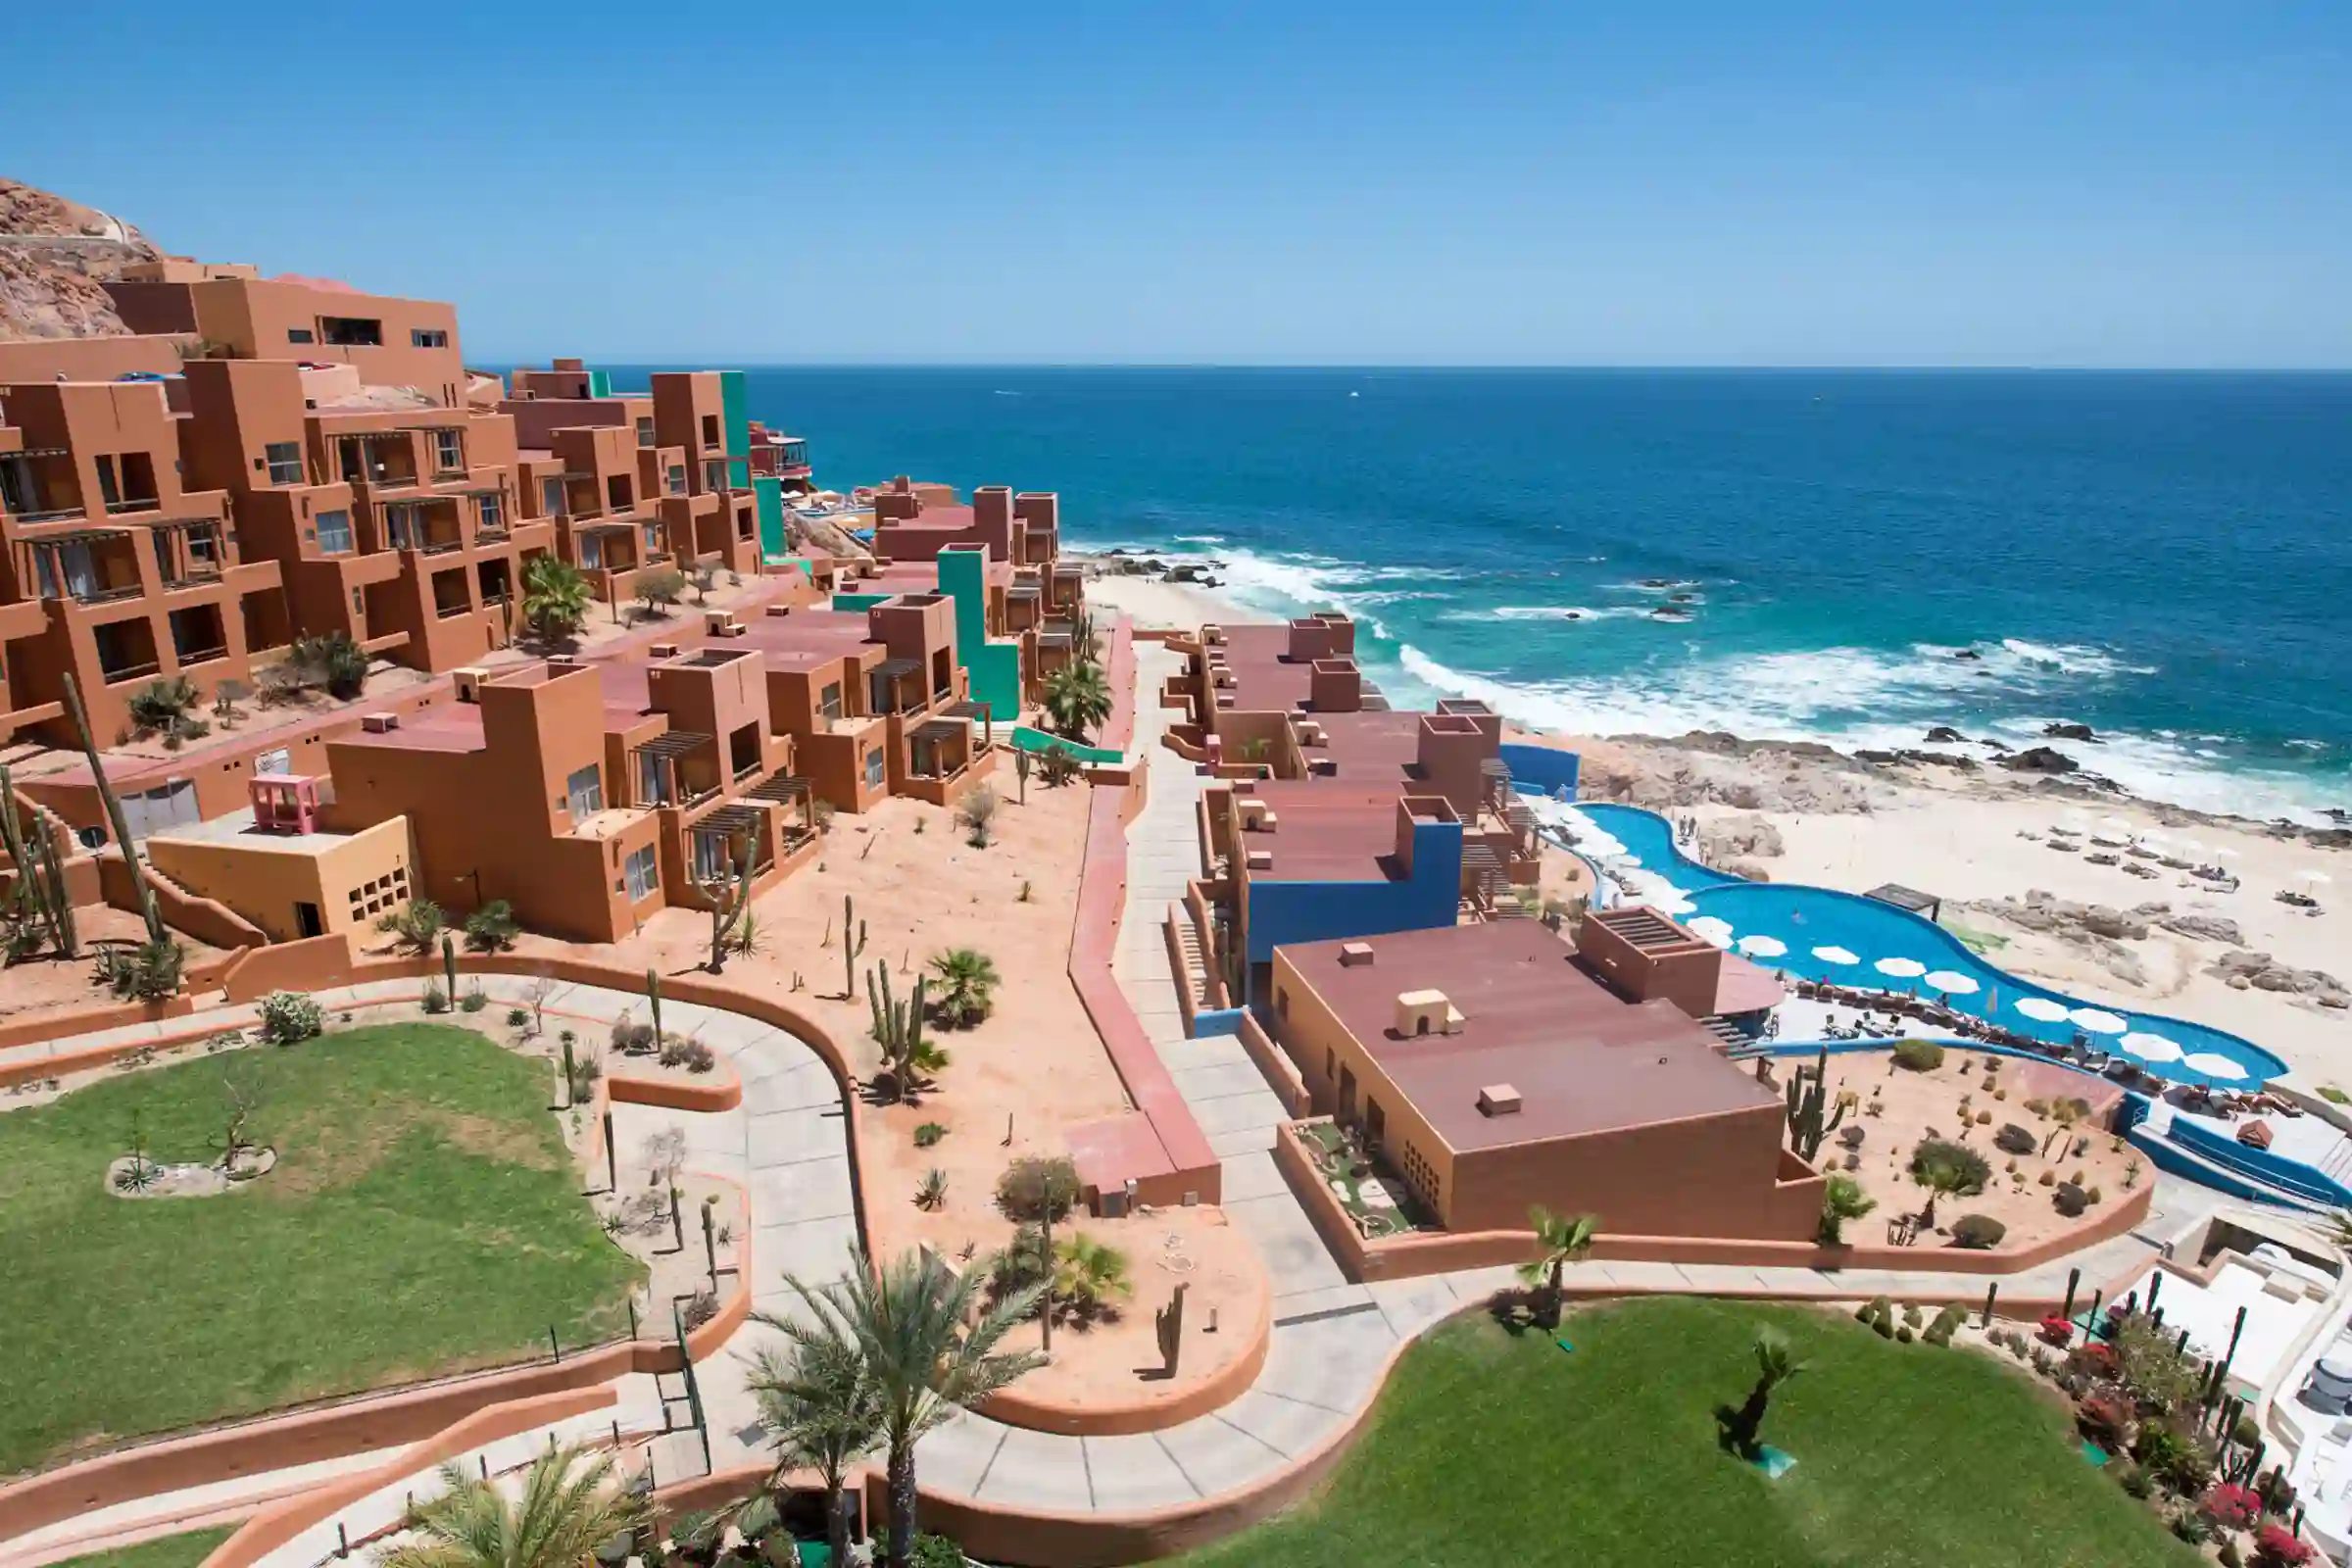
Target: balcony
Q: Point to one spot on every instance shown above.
(115, 509)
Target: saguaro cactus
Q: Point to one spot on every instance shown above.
(1168, 1324)
(734, 896)
(852, 945)
(653, 994)
(449, 965)
(157, 932)
(1808, 1094)
(40, 877)
(898, 1028)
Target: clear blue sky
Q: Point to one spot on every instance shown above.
(1651, 182)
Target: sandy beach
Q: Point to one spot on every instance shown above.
(1981, 840)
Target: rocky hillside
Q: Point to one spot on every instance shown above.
(54, 253)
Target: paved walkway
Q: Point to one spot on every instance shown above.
(787, 1143)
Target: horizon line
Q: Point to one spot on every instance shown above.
(1409, 367)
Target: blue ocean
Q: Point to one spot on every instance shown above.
(1842, 555)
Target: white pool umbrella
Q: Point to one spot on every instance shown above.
(1837, 955)
(1763, 946)
(2214, 1065)
(1952, 982)
(1902, 968)
(2042, 1008)
(1708, 928)
(2150, 1048)
(2096, 1021)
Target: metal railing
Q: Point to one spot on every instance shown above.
(115, 678)
(132, 504)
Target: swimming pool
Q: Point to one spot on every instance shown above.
(1824, 934)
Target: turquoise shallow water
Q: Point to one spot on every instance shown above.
(1804, 921)
(2165, 557)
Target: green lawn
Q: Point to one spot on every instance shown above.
(1492, 1448)
(167, 1551)
(423, 1216)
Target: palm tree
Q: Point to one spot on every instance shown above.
(569, 1506)
(1087, 1273)
(1562, 1240)
(821, 1413)
(968, 982)
(2340, 1223)
(905, 1322)
(1841, 1199)
(1077, 699)
(555, 597)
(1775, 1364)
(1942, 1178)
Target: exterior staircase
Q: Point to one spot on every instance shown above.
(1196, 958)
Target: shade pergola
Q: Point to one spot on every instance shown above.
(676, 743)
(1929, 904)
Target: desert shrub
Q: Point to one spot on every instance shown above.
(1977, 1231)
(1878, 1313)
(1976, 1170)
(660, 585)
(289, 1018)
(2015, 1140)
(1939, 1332)
(148, 972)
(1911, 1314)
(518, 1017)
(2103, 1418)
(975, 812)
(416, 924)
(700, 1310)
(2228, 1557)
(436, 1000)
(632, 1038)
(1022, 1264)
(2136, 1481)
(928, 1134)
(700, 1057)
(1917, 1055)
(475, 998)
(1057, 766)
(935, 1552)
(1033, 1187)
(492, 928)
(2192, 1527)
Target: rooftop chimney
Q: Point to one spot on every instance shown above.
(1352, 954)
(1499, 1099)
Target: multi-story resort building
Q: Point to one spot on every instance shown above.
(267, 460)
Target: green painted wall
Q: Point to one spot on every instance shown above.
(1037, 740)
(995, 667)
(769, 491)
(860, 601)
(600, 383)
(735, 409)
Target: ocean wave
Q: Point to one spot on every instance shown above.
(1200, 538)
(1851, 699)
(1551, 612)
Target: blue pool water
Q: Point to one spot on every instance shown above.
(1805, 919)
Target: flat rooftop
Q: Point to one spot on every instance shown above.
(238, 828)
(1326, 831)
(1582, 1058)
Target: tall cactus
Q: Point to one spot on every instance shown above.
(157, 931)
(898, 1028)
(734, 896)
(653, 992)
(853, 946)
(449, 965)
(1808, 1094)
(1168, 1323)
(40, 878)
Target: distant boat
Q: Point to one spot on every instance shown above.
(1355, 394)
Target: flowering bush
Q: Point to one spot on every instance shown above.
(2091, 1359)
(2056, 1330)
(289, 1018)
(2232, 1508)
(2280, 1547)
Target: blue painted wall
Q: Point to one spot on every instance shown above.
(1539, 769)
(1218, 1022)
(1320, 912)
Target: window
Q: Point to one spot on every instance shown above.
(494, 515)
(714, 474)
(619, 494)
(709, 429)
(107, 486)
(584, 791)
(449, 452)
(828, 704)
(873, 768)
(640, 873)
(712, 862)
(653, 539)
(400, 525)
(592, 551)
(551, 498)
(352, 331)
(677, 479)
(285, 461)
(653, 780)
(301, 335)
(645, 430)
(428, 337)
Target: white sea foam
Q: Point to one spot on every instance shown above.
(1200, 538)
(1557, 612)
(1853, 699)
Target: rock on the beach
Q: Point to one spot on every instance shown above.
(2041, 760)
(2068, 732)
(1945, 735)
(1734, 838)
(2241, 969)
(2205, 927)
